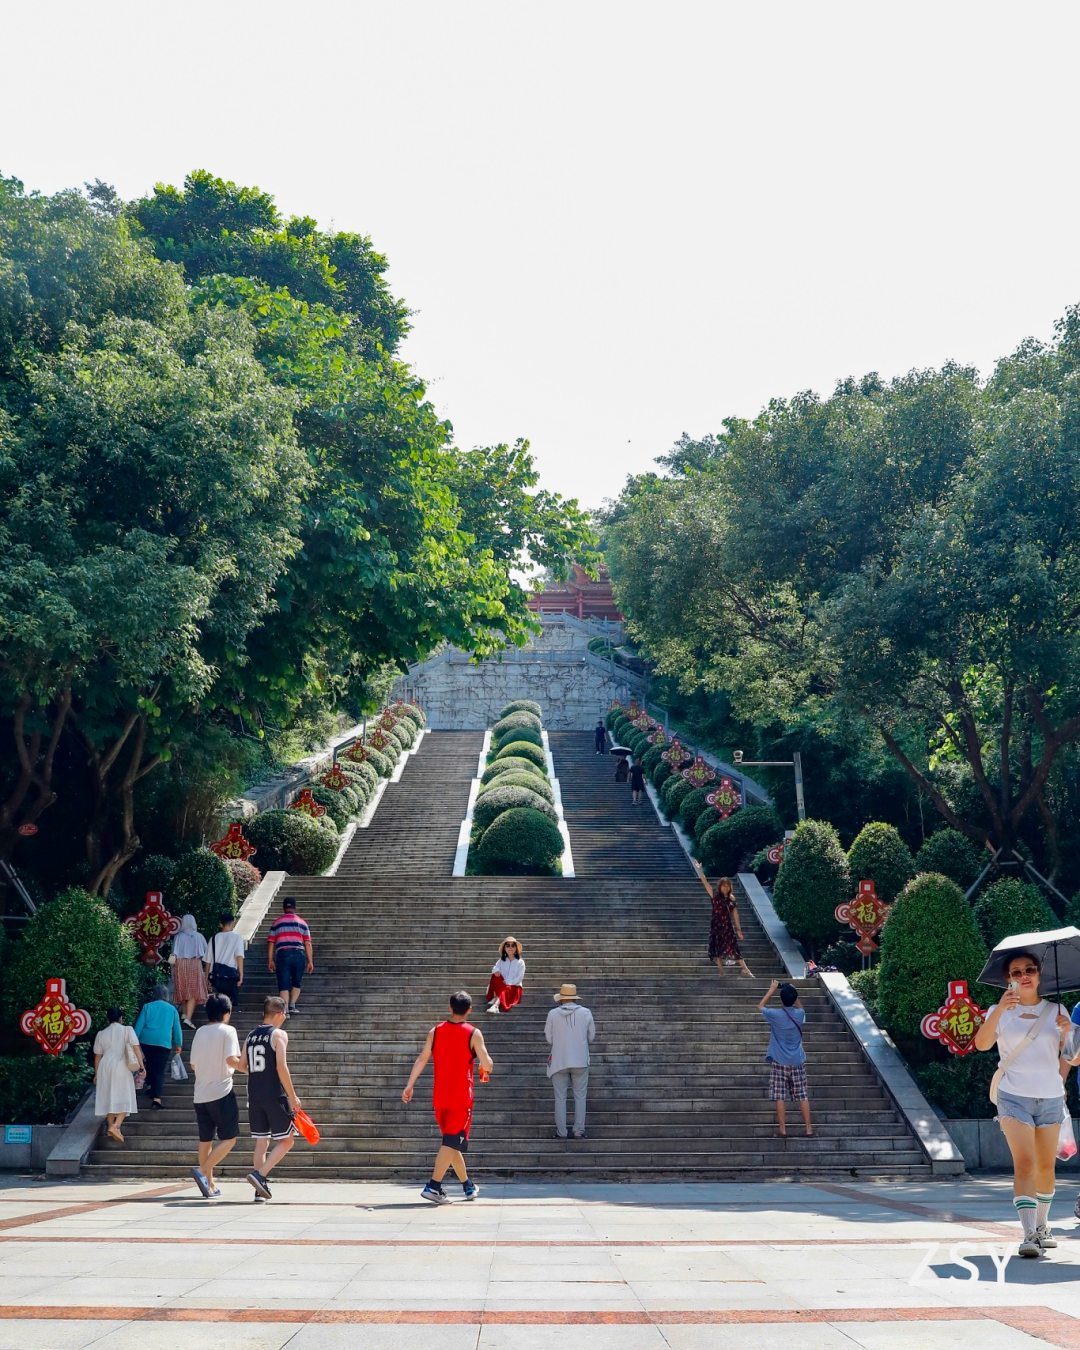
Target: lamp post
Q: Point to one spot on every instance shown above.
(795, 762)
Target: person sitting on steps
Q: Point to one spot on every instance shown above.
(507, 975)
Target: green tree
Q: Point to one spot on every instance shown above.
(813, 879)
(953, 855)
(881, 856)
(1012, 906)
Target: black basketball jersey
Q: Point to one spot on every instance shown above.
(264, 1085)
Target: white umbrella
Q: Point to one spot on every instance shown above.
(1063, 942)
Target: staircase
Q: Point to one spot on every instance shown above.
(678, 1083)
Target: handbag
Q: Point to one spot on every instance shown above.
(222, 977)
(1011, 1058)
(177, 1069)
(131, 1059)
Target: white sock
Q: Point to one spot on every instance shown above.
(1042, 1208)
(1025, 1209)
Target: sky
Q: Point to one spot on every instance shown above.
(614, 222)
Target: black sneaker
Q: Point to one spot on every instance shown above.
(262, 1188)
(437, 1196)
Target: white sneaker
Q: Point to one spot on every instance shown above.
(1044, 1236)
(493, 1007)
(1030, 1246)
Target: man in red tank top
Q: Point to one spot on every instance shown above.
(454, 1045)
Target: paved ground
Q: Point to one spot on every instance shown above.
(372, 1267)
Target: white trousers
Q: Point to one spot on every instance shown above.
(561, 1080)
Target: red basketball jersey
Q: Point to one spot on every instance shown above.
(453, 1064)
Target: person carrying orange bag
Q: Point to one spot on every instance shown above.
(273, 1106)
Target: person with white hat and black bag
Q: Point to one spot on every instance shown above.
(569, 1031)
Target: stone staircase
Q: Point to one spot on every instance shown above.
(678, 1084)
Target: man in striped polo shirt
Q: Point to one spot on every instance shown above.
(289, 952)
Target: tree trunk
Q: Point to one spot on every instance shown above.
(32, 792)
(105, 869)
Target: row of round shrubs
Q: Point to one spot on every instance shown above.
(515, 821)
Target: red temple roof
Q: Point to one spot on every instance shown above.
(580, 595)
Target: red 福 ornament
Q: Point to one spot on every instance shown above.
(388, 721)
(378, 740)
(307, 803)
(335, 778)
(55, 1022)
(357, 753)
(699, 773)
(866, 914)
(956, 1021)
(152, 926)
(726, 798)
(657, 737)
(234, 845)
(675, 755)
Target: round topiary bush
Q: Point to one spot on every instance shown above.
(612, 717)
(515, 721)
(78, 937)
(492, 804)
(357, 774)
(42, 1089)
(523, 837)
(621, 729)
(290, 841)
(705, 821)
(517, 735)
(661, 774)
(390, 751)
(813, 879)
(650, 759)
(336, 806)
(931, 937)
(1012, 906)
(881, 856)
(398, 737)
(533, 781)
(692, 806)
(522, 750)
(404, 732)
(415, 715)
(245, 876)
(953, 855)
(381, 763)
(673, 793)
(722, 847)
(511, 764)
(522, 705)
(201, 885)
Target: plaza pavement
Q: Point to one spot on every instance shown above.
(619, 1267)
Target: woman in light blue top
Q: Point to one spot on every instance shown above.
(158, 1029)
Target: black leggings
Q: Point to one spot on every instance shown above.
(157, 1061)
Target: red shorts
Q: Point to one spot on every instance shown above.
(454, 1124)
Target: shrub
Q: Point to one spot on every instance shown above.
(691, 807)
(931, 938)
(365, 773)
(639, 744)
(723, 846)
(661, 774)
(415, 715)
(398, 737)
(673, 792)
(705, 821)
(865, 984)
(650, 759)
(522, 705)
(612, 717)
(813, 879)
(43, 1089)
(515, 721)
(391, 752)
(381, 763)
(152, 873)
(336, 807)
(517, 735)
(352, 798)
(1012, 906)
(78, 937)
(524, 837)
(763, 869)
(245, 876)
(622, 728)
(953, 855)
(202, 886)
(881, 856)
(404, 732)
(959, 1086)
(511, 764)
(493, 804)
(290, 841)
(533, 781)
(522, 750)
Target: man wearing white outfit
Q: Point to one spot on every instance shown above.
(569, 1030)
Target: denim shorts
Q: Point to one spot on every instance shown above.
(290, 965)
(1041, 1112)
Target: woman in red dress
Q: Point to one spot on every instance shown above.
(507, 974)
(726, 931)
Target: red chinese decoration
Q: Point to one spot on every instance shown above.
(307, 803)
(234, 845)
(633, 708)
(658, 737)
(152, 926)
(388, 721)
(956, 1021)
(866, 914)
(699, 773)
(356, 752)
(27, 830)
(644, 722)
(378, 740)
(335, 778)
(614, 704)
(726, 798)
(775, 855)
(55, 1022)
(675, 754)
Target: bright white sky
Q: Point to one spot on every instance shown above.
(615, 221)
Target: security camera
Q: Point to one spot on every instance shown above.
(738, 756)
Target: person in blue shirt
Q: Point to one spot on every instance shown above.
(158, 1029)
(786, 1056)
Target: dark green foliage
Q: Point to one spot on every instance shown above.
(415, 715)
(881, 856)
(290, 841)
(352, 798)
(723, 846)
(155, 872)
(78, 937)
(391, 752)
(865, 984)
(522, 750)
(931, 937)
(201, 885)
(515, 721)
(511, 764)
(533, 781)
(673, 793)
(492, 804)
(953, 855)
(42, 1089)
(336, 806)
(650, 759)
(404, 732)
(622, 728)
(364, 772)
(524, 837)
(661, 774)
(1012, 906)
(612, 717)
(245, 877)
(522, 705)
(705, 821)
(813, 879)
(517, 735)
(960, 1086)
(379, 762)
(691, 808)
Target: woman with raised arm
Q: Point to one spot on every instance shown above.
(726, 931)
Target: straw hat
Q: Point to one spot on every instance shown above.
(567, 994)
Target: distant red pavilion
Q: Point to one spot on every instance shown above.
(580, 595)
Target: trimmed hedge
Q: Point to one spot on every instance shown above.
(513, 722)
(674, 793)
(611, 717)
(661, 774)
(953, 855)
(404, 732)
(398, 737)
(692, 806)
(492, 804)
(517, 735)
(1012, 906)
(337, 808)
(245, 876)
(813, 879)
(382, 764)
(290, 841)
(202, 886)
(705, 821)
(391, 752)
(523, 837)
(722, 847)
(650, 759)
(522, 705)
(511, 764)
(931, 937)
(532, 781)
(363, 773)
(881, 856)
(152, 873)
(522, 750)
(415, 715)
(41, 1089)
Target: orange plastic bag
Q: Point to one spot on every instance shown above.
(306, 1126)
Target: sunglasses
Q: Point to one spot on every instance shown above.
(1028, 970)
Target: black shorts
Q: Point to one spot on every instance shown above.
(222, 1115)
(272, 1120)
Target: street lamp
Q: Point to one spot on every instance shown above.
(795, 762)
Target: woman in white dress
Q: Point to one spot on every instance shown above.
(189, 977)
(114, 1097)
